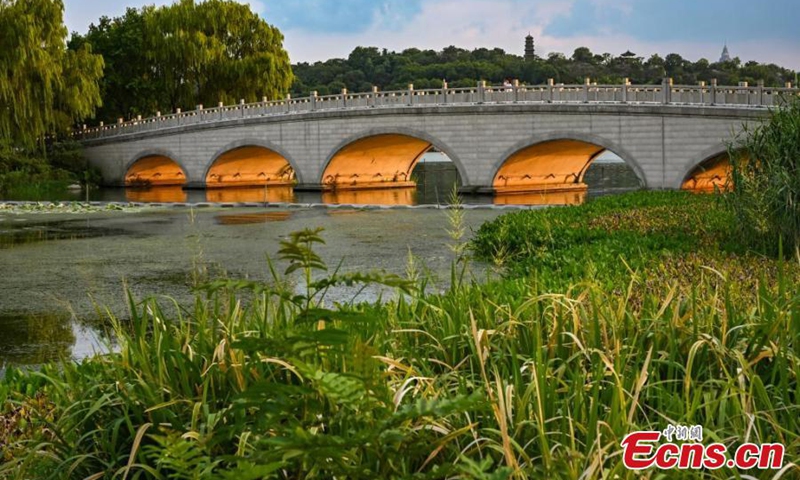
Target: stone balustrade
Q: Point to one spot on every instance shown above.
(702, 95)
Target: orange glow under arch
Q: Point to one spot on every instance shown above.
(250, 166)
(556, 165)
(155, 170)
(380, 161)
(710, 176)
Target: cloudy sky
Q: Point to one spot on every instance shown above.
(322, 29)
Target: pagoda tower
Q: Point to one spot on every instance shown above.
(530, 50)
(726, 55)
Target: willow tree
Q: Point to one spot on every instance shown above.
(128, 87)
(44, 88)
(217, 50)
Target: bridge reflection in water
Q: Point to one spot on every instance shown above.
(434, 182)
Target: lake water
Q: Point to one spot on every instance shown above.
(61, 275)
(59, 270)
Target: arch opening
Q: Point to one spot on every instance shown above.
(710, 176)
(250, 166)
(155, 170)
(562, 171)
(379, 161)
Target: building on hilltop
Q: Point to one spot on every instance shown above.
(726, 55)
(530, 50)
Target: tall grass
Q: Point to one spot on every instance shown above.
(502, 380)
(766, 181)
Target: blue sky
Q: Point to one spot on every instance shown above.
(321, 29)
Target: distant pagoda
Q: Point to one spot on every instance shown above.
(726, 55)
(530, 50)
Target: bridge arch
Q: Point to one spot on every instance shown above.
(414, 142)
(155, 167)
(705, 171)
(583, 148)
(275, 158)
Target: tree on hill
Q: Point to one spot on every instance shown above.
(368, 66)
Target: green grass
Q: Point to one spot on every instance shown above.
(537, 375)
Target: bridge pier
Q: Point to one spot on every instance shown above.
(195, 186)
(308, 187)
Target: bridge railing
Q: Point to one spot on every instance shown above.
(702, 95)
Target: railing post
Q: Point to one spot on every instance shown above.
(760, 88)
(702, 86)
(713, 91)
(220, 106)
(481, 91)
(586, 84)
(373, 98)
(444, 91)
(625, 83)
(515, 87)
(344, 98)
(178, 113)
(410, 94)
(746, 90)
(241, 106)
(288, 102)
(313, 100)
(550, 83)
(666, 91)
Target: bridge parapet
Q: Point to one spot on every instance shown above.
(703, 95)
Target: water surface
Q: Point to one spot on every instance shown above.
(60, 270)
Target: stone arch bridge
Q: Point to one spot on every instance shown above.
(501, 139)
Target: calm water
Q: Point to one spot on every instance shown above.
(60, 272)
(435, 181)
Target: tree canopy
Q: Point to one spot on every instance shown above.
(185, 54)
(368, 66)
(44, 87)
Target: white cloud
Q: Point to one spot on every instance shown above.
(477, 23)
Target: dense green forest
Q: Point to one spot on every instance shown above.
(368, 66)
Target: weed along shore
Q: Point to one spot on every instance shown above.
(607, 318)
